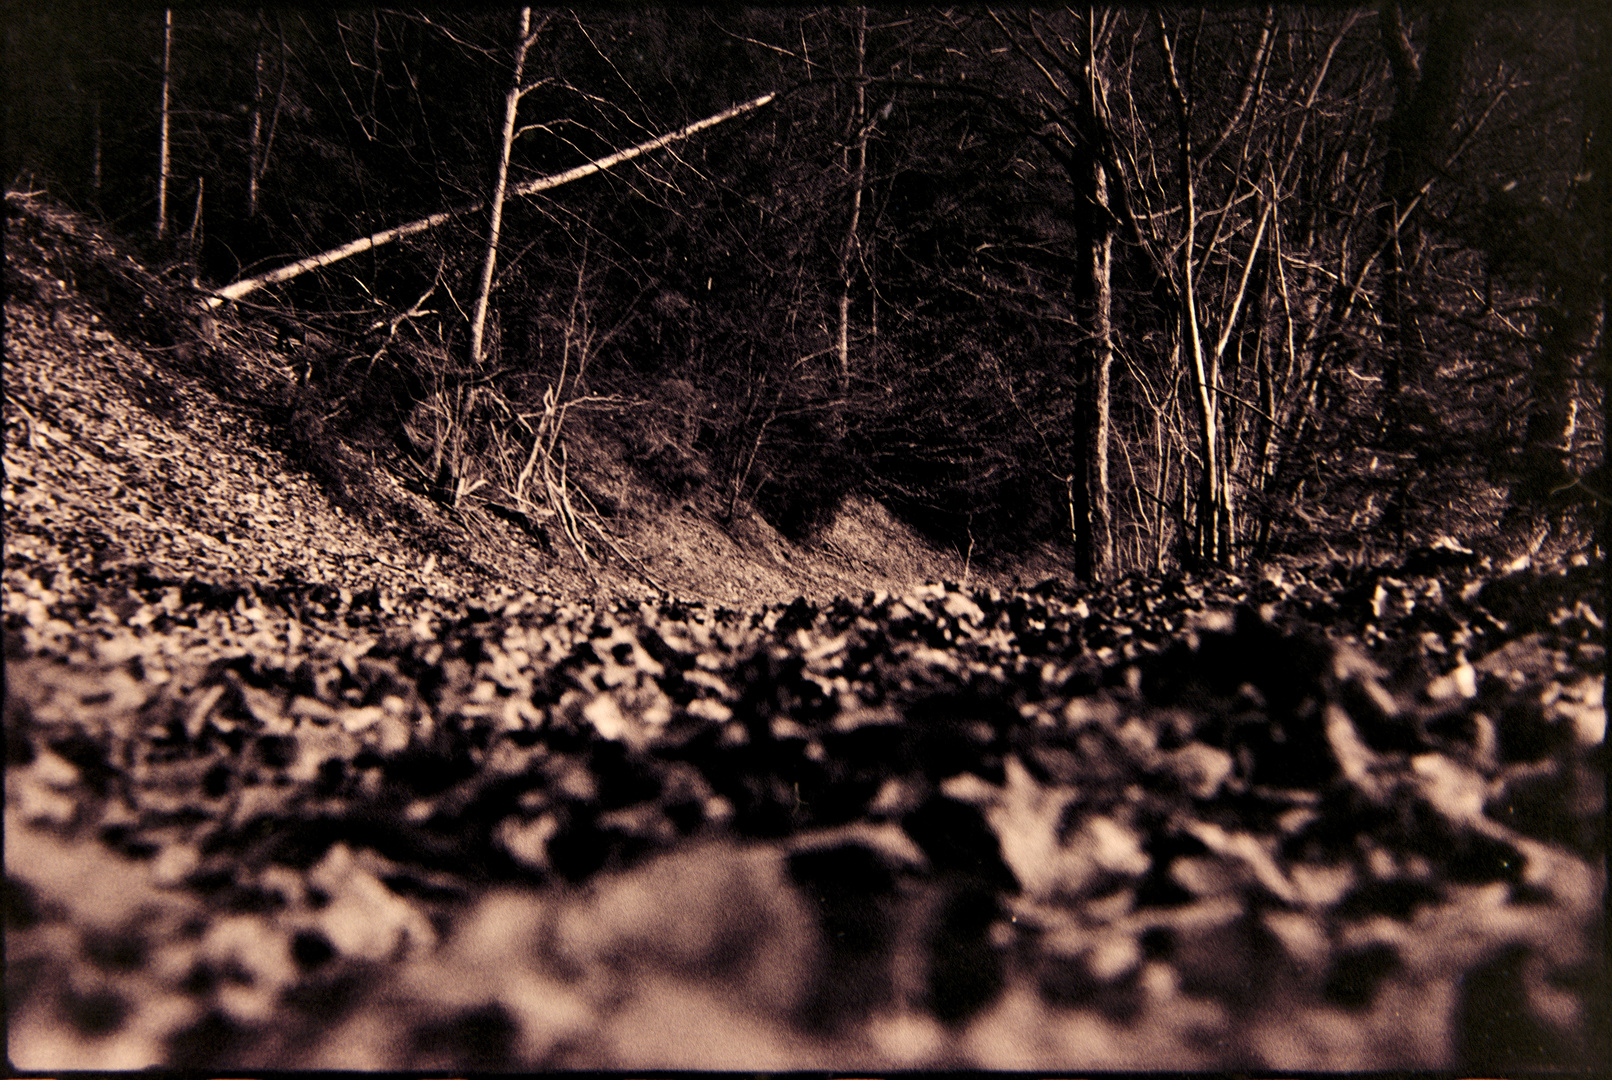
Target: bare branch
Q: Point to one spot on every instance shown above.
(238, 289)
(1251, 84)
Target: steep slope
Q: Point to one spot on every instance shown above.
(128, 454)
(137, 443)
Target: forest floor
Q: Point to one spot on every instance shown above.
(386, 786)
(172, 452)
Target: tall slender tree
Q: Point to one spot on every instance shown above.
(163, 163)
(525, 38)
(857, 151)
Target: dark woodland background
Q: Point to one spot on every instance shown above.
(1167, 287)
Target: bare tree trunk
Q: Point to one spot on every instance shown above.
(1425, 91)
(1600, 201)
(1211, 504)
(1573, 319)
(1184, 514)
(254, 143)
(1233, 331)
(95, 145)
(194, 240)
(1546, 465)
(512, 101)
(162, 163)
(859, 125)
(1066, 56)
(1212, 529)
(1102, 250)
(1209, 489)
(1161, 490)
(259, 141)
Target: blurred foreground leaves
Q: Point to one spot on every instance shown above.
(1167, 824)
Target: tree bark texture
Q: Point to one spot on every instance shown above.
(848, 253)
(1102, 331)
(512, 102)
(95, 146)
(1599, 198)
(1209, 544)
(1426, 89)
(254, 145)
(162, 153)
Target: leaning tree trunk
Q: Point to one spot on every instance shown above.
(449, 472)
(1207, 528)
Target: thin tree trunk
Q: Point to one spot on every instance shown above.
(1211, 506)
(1547, 438)
(238, 289)
(1209, 495)
(95, 146)
(1227, 514)
(1227, 537)
(162, 159)
(858, 177)
(1600, 165)
(261, 141)
(1599, 199)
(1102, 250)
(512, 101)
(255, 138)
(1573, 318)
(1080, 485)
(194, 240)
(1161, 490)
(1425, 92)
(1184, 515)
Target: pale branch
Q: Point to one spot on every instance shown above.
(1239, 399)
(1251, 83)
(241, 288)
(163, 166)
(1242, 284)
(636, 564)
(532, 187)
(238, 289)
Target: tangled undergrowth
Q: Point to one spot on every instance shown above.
(1165, 825)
